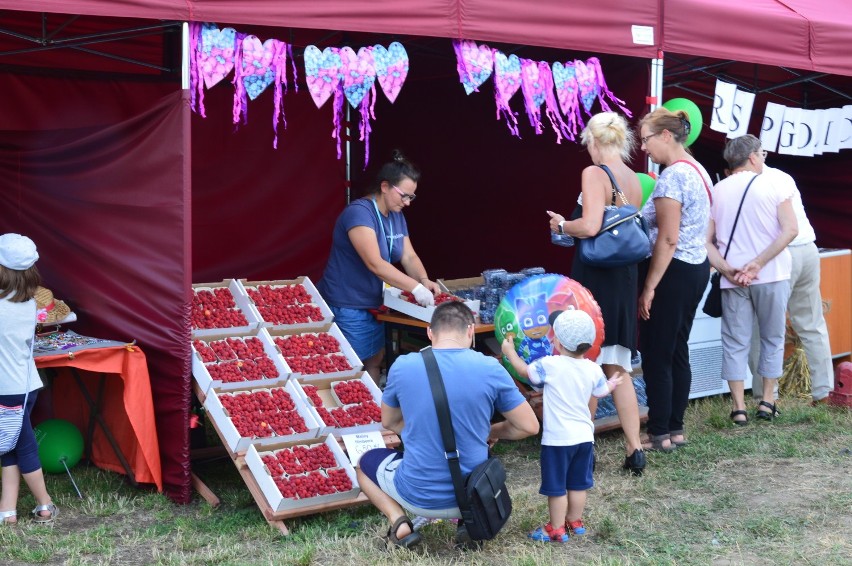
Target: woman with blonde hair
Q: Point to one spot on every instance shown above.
(675, 277)
(19, 379)
(610, 142)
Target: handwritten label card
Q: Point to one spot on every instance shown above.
(359, 442)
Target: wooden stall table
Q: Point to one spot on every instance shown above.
(396, 322)
(104, 388)
(487, 344)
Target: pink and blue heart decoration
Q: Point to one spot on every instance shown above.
(567, 93)
(359, 88)
(257, 66)
(537, 88)
(563, 88)
(391, 68)
(322, 72)
(211, 59)
(474, 63)
(217, 53)
(592, 85)
(507, 81)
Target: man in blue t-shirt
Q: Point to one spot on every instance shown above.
(477, 386)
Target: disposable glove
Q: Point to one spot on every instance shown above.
(423, 296)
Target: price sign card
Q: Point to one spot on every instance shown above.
(359, 442)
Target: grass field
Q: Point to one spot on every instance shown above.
(769, 493)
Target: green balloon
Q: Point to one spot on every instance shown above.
(695, 119)
(58, 440)
(647, 182)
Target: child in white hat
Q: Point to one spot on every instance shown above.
(567, 451)
(19, 380)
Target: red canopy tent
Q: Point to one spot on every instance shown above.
(131, 198)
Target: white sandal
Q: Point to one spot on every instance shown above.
(50, 507)
(13, 514)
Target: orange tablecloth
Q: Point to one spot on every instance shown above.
(127, 408)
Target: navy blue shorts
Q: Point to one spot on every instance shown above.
(25, 453)
(566, 468)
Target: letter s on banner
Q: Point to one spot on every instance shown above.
(741, 114)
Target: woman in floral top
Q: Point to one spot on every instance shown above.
(673, 280)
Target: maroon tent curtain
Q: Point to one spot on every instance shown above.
(108, 207)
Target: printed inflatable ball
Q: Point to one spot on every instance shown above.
(58, 441)
(525, 314)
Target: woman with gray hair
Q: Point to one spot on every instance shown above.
(610, 142)
(752, 221)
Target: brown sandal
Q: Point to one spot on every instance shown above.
(408, 541)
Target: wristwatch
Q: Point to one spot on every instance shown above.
(561, 231)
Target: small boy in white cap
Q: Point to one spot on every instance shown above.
(567, 442)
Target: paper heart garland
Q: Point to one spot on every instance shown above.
(567, 93)
(258, 65)
(587, 84)
(359, 74)
(507, 81)
(565, 83)
(474, 64)
(216, 53)
(533, 89)
(259, 61)
(391, 66)
(537, 88)
(322, 72)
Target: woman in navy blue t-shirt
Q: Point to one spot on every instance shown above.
(369, 237)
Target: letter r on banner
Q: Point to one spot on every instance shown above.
(723, 104)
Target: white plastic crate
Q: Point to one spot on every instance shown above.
(205, 380)
(237, 443)
(271, 493)
(242, 302)
(397, 303)
(330, 401)
(345, 349)
(316, 300)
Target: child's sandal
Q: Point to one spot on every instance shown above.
(43, 519)
(9, 517)
(548, 534)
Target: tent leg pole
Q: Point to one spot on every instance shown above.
(184, 57)
(656, 96)
(348, 163)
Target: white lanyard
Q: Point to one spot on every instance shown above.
(382, 228)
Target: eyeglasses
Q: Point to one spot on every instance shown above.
(649, 136)
(405, 196)
(762, 152)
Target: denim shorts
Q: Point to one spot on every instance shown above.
(364, 333)
(380, 465)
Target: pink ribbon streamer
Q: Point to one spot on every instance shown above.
(240, 107)
(279, 61)
(196, 84)
(604, 90)
(552, 105)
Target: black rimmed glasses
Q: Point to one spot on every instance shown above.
(649, 136)
(407, 197)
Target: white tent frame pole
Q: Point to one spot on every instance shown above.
(348, 155)
(184, 57)
(656, 97)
